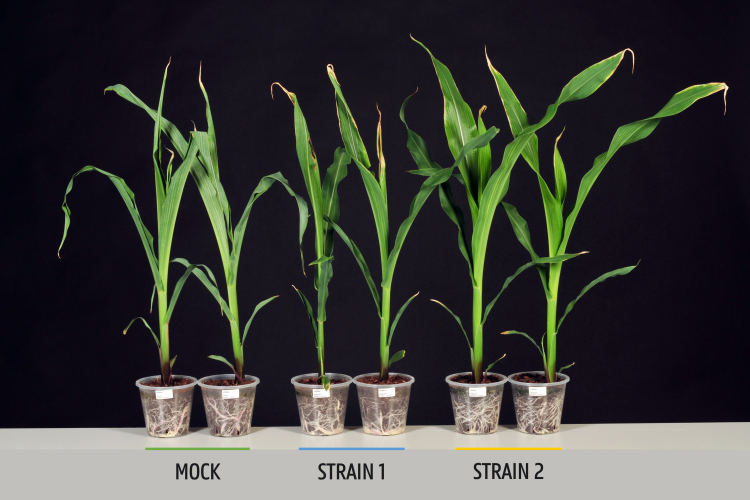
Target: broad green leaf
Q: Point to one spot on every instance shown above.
(326, 382)
(334, 176)
(521, 228)
(255, 311)
(489, 367)
(309, 311)
(458, 320)
(239, 231)
(361, 262)
(514, 332)
(223, 360)
(171, 206)
(209, 284)
(129, 198)
(151, 306)
(177, 289)
(324, 258)
(561, 181)
(156, 154)
(309, 164)
(581, 86)
(398, 317)
(616, 272)
(326, 273)
(349, 131)
(633, 132)
(460, 128)
(379, 212)
(536, 262)
(396, 357)
(421, 155)
(424, 192)
(484, 158)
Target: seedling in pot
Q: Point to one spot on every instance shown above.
(169, 188)
(206, 175)
(485, 189)
(558, 227)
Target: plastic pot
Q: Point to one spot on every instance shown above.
(321, 412)
(383, 407)
(476, 407)
(539, 407)
(166, 410)
(229, 409)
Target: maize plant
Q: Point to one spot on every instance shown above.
(169, 188)
(377, 193)
(325, 206)
(559, 227)
(206, 175)
(485, 190)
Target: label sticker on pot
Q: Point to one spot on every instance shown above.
(477, 392)
(387, 392)
(537, 391)
(230, 394)
(166, 394)
(321, 393)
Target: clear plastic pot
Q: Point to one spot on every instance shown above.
(322, 413)
(539, 407)
(166, 410)
(383, 407)
(476, 407)
(229, 409)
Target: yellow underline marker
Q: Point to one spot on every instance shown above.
(486, 449)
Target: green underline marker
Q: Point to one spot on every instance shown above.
(182, 449)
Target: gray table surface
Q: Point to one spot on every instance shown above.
(687, 436)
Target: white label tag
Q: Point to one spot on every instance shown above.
(387, 392)
(537, 391)
(321, 393)
(166, 394)
(230, 394)
(477, 392)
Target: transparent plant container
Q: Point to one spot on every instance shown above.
(539, 407)
(322, 413)
(476, 407)
(383, 407)
(229, 409)
(166, 410)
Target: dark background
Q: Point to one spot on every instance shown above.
(666, 343)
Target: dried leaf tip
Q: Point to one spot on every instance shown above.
(482, 110)
(195, 129)
(633, 54)
(332, 73)
(581, 253)
(505, 332)
(288, 94)
(200, 71)
(726, 89)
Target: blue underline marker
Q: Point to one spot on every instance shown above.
(329, 449)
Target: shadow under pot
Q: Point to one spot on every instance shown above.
(476, 407)
(321, 412)
(166, 410)
(383, 406)
(229, 408)
(539, 406)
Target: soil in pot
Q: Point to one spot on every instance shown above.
(166, 410)
(476, 407)
(227, 383)
(229, 405)
(317, 381)
(538, 405)
(176, 382)
(392, 379)
(321, 412)
(469, 379)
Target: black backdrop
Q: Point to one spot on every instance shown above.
(664, 343)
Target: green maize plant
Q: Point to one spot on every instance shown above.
(485, 190)
(378, 196)
(169, 188)
(325, 206)
(206, 175)
(559, 227)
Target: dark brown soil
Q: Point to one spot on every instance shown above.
(227, 383)
(316, 381)
(392, 379)
(530, 378)
(469, 379)
(175, 382)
